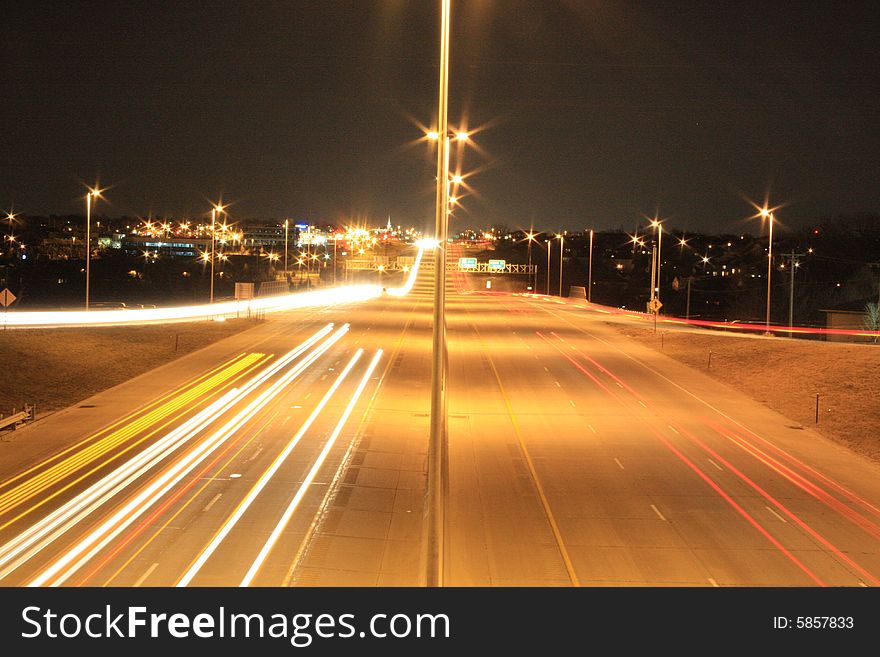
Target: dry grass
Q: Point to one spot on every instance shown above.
(786, 375)
(54, 368)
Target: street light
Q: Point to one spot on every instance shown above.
(530, 236)
(561, 260)
(94, 193)
(217, 209)
(437, 439)
(655, 261)
(286, 228)
(768, 214)
(547, 285)
(590, 270)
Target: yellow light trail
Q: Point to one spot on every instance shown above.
(36, 538)
(51, 476)
(86, 548)
(124, 451)
(124, 420)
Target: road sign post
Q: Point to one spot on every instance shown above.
(7, 298)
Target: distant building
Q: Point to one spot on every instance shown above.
(165, 246)
(268, 237)
(849, 316)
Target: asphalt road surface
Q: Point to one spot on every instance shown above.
(294, 454)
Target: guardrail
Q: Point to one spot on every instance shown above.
(15, 419)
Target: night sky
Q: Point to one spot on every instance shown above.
(590, 114)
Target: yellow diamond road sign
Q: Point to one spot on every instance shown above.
(6, 298)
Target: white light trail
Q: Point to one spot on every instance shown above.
(59, 521)
(410, 280)
(243, 506)
(294, 503)
(328, 297)
(89, 546)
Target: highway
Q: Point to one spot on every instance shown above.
(293, 454)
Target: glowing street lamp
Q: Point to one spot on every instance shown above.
(286, 229)
(590, 270)
(216, 210)
(530, 236)
(437, 440)
(655, 261)
(767, 214)
(561, 260)
(547, 284)
(94, 193)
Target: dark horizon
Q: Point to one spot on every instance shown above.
(588, 114)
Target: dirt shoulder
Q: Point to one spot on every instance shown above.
(55, 368)
(786, 375)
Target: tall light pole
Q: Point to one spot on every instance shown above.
(335, 242)
(95, 193)
(286, 238)
(437, 439)
(547, 286)
(590, 270)
(767, 214)
(217, 209)
(655, 256)
(561, 260)
(530, 236)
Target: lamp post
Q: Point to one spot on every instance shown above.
(335, 242)
(95, 193)
(767, 214)
(561, 260)
(656, 254)
(530, 236)
(213, 222)
(590, 270)
(286, 237)
(437, 439)
(217, 209)
(547, 286)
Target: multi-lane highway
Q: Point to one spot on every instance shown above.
(294, 454)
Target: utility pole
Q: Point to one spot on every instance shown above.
(687, 312)
(547, 286)
(793, 264)
(561, 261)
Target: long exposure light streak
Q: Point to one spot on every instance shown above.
(328, 297)
(243, 506)
(87, 547)
(310, 477)
(59, 521)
